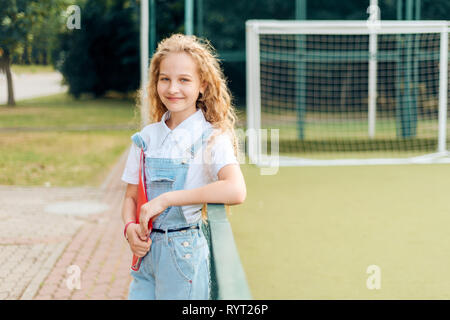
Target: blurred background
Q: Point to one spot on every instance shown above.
(68, 106)
(104, 55)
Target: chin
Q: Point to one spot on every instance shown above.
(175, 108)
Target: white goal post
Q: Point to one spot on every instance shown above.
(348, 92)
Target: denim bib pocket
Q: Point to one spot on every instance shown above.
(158, 185)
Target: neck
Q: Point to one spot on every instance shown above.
(178, 117)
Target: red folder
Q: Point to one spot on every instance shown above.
(141, 200)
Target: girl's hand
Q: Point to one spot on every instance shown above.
(138, 245)
(151, 210)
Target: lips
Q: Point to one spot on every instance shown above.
(174, 98)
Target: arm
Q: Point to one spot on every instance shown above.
(229, 189)
(138, 245)
(129, 203)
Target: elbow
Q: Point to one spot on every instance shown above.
(240, 196)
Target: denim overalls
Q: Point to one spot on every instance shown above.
(177, 264)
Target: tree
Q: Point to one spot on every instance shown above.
(104, 54)
(17, 18)
(14, 23)
(44, 33)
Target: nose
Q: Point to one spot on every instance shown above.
(173, 87)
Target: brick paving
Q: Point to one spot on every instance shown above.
(99, 250)
(43, 253)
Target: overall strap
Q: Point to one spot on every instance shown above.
(193, 149)
(139, 141)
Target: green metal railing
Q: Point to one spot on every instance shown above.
(228, 281)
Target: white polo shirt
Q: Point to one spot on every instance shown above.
(162, 142)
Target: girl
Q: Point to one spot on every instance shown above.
(190, 159)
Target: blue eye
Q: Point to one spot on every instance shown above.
(185, 80)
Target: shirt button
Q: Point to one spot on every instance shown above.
(187, 256)
(185, 244)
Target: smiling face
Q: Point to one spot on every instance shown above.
(179, 84)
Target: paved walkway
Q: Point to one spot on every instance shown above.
(29, 85)
(44, 251)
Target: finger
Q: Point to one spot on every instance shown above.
(142, 237)
(141, 241)
(143, 234)
(144, 246)
(138, 234)
(144, 220)
(144, 223)
(141, 230)
(145, 250)
(140, 250)
(139, 254)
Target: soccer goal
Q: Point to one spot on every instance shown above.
(348, 92)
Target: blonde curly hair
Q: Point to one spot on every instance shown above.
(215, 102)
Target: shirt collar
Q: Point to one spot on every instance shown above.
(194, 124)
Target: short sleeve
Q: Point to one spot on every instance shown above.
(222, 154)
(131, 171)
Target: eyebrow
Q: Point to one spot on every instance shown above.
(181, 75)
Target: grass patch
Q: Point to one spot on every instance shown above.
(60, 158)
(33, 68)
(62, 141)
(64, 112)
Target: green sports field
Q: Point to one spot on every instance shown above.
(312, 232)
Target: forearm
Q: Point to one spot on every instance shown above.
(128, 210)
(222, 191)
